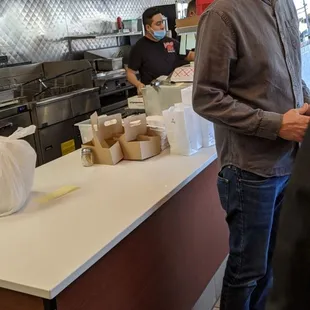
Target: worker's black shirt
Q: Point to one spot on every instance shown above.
(153, 59)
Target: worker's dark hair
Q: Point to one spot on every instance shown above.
(191, 7)
(149, 14)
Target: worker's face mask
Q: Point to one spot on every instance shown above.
(158, 34)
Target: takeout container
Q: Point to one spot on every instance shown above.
(115, 139)
(136, 102)
(137, 142)
(106, 149)
(85, 128)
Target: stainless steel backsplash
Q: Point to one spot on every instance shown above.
(33, 30)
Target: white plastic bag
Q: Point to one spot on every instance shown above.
(207, 130)
(17, 166)
(187, 94)
(181, 130)
(206, 127)
(192, 122)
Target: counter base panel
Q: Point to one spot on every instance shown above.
(10, 300)
(166, 263)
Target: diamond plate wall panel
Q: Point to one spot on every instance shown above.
(89, 44)
(28, 29)
(34, 29)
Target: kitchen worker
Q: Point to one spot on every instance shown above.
(155, 54)
(248, 83)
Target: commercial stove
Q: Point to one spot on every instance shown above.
(53, 96)
(114, 91)
(55, 118)
(112, 82)
(110, 77)
(13, 116)
(14, 109)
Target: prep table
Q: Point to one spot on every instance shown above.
(138, 235)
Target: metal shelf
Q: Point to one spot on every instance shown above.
(120, 34)
(108, 35)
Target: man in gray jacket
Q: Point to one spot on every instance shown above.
(248, 83)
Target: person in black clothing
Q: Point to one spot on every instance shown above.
(291, 262)
(154, 54)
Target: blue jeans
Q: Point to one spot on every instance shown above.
(252, 204)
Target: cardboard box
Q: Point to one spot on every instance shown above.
(136, 102)
(136, 142)
(105, 148)
(183, 75)
(187, 22)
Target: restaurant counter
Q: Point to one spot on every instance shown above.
(135, 236)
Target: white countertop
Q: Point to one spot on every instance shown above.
(45, 247)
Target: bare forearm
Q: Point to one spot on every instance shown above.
(132, 78)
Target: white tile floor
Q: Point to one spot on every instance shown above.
(212, 292)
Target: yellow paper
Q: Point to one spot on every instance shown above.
(58, 193)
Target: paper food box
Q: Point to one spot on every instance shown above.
(136, 102)
(105, 148)
(183, 74)
(136, 142)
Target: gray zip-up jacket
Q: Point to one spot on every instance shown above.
(247, 75)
